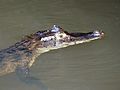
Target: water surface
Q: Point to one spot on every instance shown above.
(89, 66)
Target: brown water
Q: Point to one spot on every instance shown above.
(89, 66)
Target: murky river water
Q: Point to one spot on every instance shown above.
(89, 66)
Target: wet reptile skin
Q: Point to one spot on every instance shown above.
(22, 54)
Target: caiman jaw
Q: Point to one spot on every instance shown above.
(85, 37)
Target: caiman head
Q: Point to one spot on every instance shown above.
(56, 38)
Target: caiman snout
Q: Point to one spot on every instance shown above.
(89, 35)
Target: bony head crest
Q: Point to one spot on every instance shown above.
(55, 28)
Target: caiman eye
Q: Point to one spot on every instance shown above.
(61, 36)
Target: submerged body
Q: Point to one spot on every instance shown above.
(22, 55)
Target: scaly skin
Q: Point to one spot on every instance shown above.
(22, 54)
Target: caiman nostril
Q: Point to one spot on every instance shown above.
(102, 34)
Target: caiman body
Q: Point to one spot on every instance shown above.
(22, 54)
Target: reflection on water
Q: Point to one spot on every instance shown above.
(89, 66)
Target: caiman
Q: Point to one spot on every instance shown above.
(22, 54)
